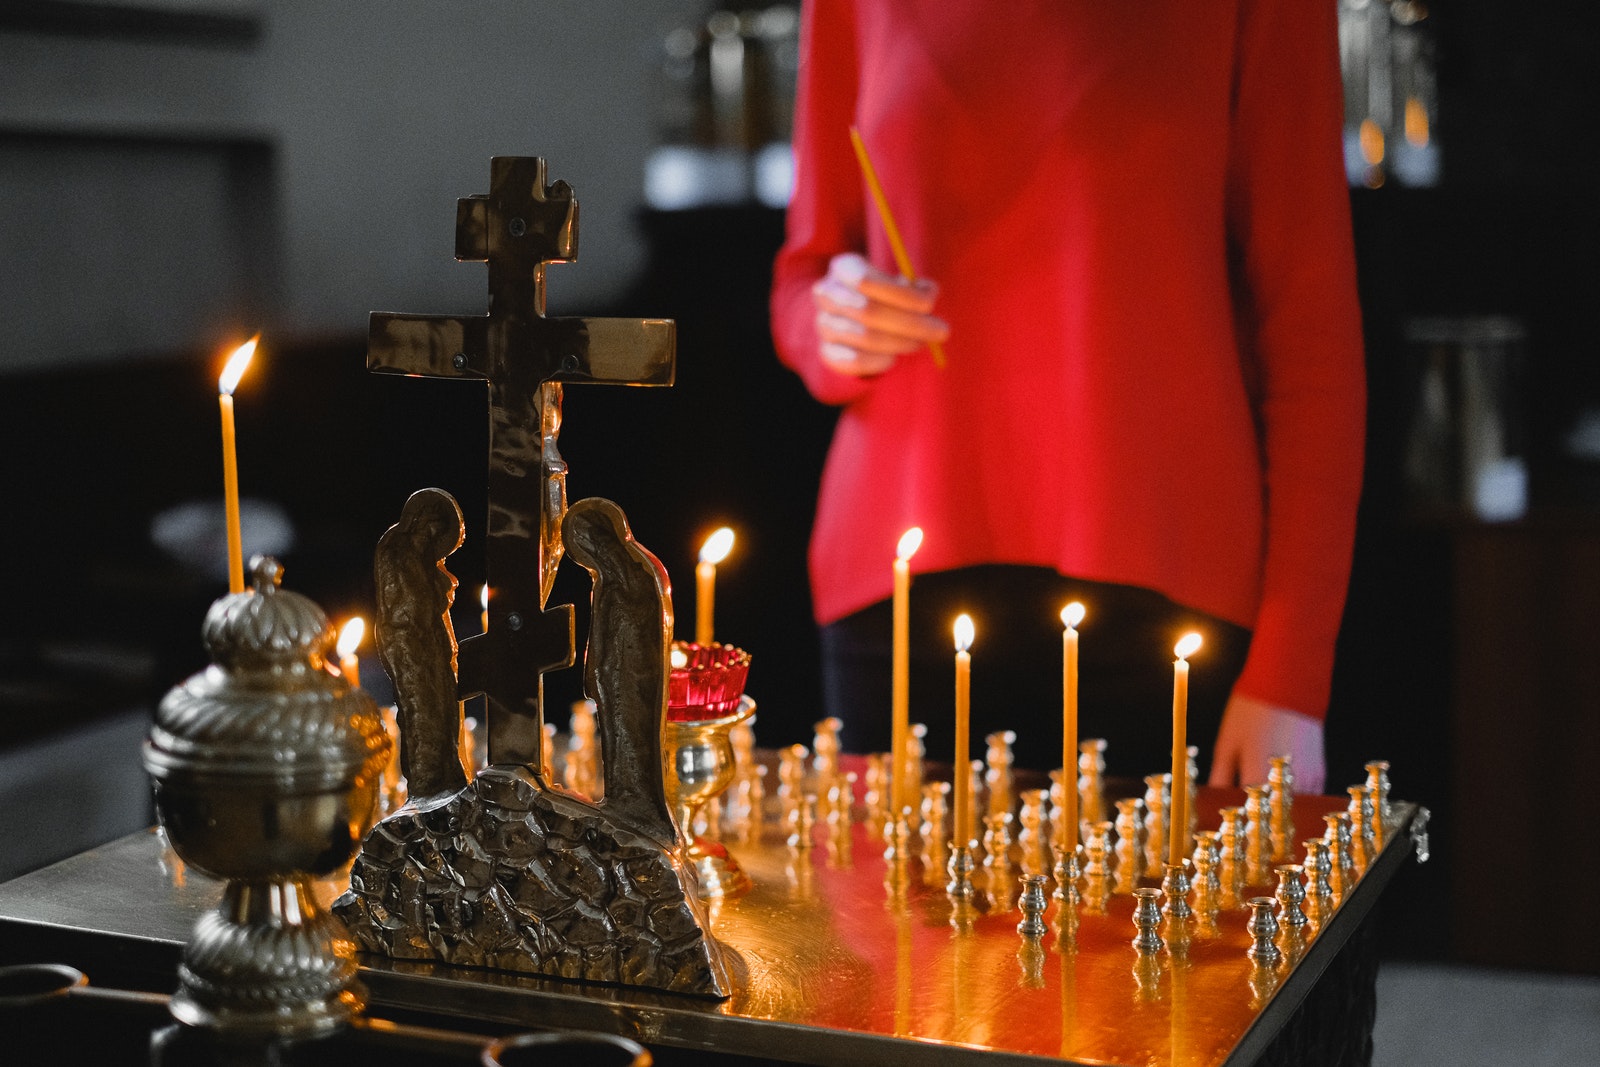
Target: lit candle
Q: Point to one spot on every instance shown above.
(960, 765)
(483, 598)
(713, 552)
(1071, 616)
(1178, 816)
(350, 640)
(226, 384)
(900, 705)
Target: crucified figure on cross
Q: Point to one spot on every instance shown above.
(519, 228)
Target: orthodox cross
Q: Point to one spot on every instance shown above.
(518, 228)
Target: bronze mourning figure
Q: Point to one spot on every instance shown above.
(507, 869)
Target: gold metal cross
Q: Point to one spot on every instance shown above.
(520, 227)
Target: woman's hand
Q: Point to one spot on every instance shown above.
(1254, 731)
(867, 319)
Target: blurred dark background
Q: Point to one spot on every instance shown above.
(174, 177)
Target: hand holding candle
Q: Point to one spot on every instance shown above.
(1071, 616)
(900, 702)
(902, 259)
(226, 384)
(350, 640)
(960, 773)
(1178, 814)
(713, 552)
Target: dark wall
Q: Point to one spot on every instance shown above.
(92, 458)
(1513, 229)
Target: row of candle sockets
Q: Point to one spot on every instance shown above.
(1267, 806)
(1253, 845)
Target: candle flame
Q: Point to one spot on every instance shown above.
(964, 632)
(350, 636)
(1416, 122)
(1187, 646)
(717, 546)
(910, 541)
(1371, 141)
(235, 368)
(483, 597)
(1072, 614)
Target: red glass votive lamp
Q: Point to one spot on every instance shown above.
(706, 681)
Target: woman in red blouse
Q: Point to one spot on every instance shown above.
(1138, 223)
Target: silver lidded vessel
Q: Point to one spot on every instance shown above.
(266, 770)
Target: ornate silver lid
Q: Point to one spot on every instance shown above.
(267, 628)
(267, 705)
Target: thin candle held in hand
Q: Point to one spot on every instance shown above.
(960, 827)
(1178, 815)
(350, 637)
(1071, 616)
(901, 258)
(900, 696)
(226, 384)
(713, 552)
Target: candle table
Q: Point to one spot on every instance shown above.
(833, 966)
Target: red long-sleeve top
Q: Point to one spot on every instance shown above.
(1138, 219)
